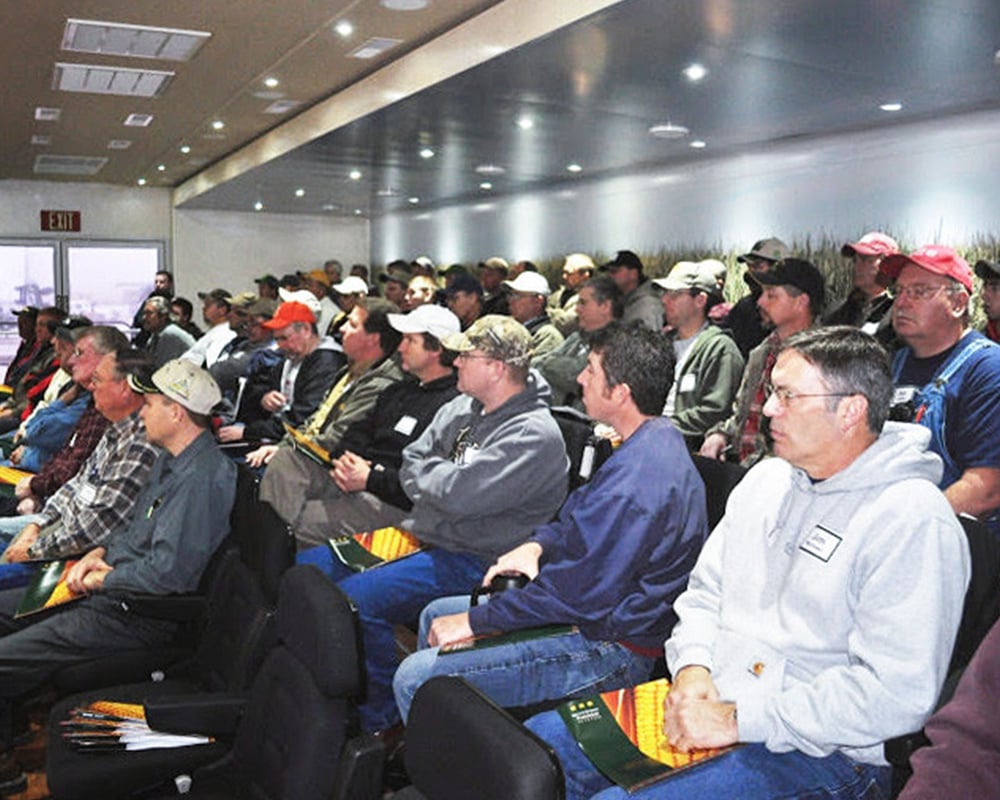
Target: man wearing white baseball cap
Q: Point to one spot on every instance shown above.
(526, 299)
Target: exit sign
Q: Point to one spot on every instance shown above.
(64, 221)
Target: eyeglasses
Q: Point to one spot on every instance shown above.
(786, 396)
(919, 292)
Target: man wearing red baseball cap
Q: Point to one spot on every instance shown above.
(947, 377)
(869, 305)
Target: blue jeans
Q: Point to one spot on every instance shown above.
(521, 673)
(393, 594)
(13, 576)
(750, 773)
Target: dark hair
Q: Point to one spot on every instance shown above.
(606, 290)
(185, 304)
(377, 321)
(851, 362)
(135, 363)
(433, 345)
(106, 339)
(640, 358)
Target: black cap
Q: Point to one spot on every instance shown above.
(268, 279)
(624, 258)
(799, 273)
(464, 282)
(987, 270)
(216, 295)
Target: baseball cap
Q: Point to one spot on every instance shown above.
(871, 244)
(577, 261)
(398, 275)
(216, 295)
(264, 307)
(352, 284)
(464, 282)
(69, 328)
(623, 258)
(424, 261)
(713, 267)
(934, 258)
(317, 275)
(184, 383)
(495, 262)
(288, 313)
(988, 270)
(799, 273)
(498, 336)
(303, 296)
(242, 300)
(269, 279)
(530, 283)
(768, 249)
(438, 321)
(687, 275)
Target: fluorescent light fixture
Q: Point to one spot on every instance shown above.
(891, 106)
(667, 130)
(43, 114)
(121, 81)
(138, 41)
(138, 120)
(282, 106)
(413, 200)
(375, 46)
(69, 165)
(694, 72)
(426, 152)
(41, 139)
(486, 186)
(403, 5)
(490, 169)
(119, 144)
(574, 168)
(343, 28)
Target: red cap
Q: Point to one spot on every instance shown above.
(934, 258)
(871, 244)
(289, 313)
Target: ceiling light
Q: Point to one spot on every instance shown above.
(185, 149)
(891, 106)
(354, 175)
(426, 152)
(218, 125)
(574, 167)
(119, 144)
(121, 81)
(695, 72)
(282, 106)
(525, 123)
(139, 41)
(667, 130)
(69, 165)
(412, 200)
(258, 206)
(268, 95)
(141, 181)
(138, 120)
(43, 114)
(300, 192)
(698, 144)
(403, 5)
(270, 83)
(387, 191)
(161, 167)
(486, 186)
(41, 139)
(344, 28)
(490, 169)
(358, 212)
(374, 47)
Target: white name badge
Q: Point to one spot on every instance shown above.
(903, 394)
(871, 328)
(87, 495)
(821, 543)
(688, 383)
(405, 425)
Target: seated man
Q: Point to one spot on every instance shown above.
(183, 516)
(709, 364)
(578, 268)
(948, 376)
(366, 493)
(598, 304)
(526, 299)
(820, 617)
(101, 496)
(488, 469)
(293, 480)
(630, 540)
(166, 340)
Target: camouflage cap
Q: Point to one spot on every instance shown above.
(498, 336)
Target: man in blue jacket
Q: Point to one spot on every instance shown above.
(610, 565)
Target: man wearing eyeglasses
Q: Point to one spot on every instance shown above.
(948, 376)
(989, 273)
(796, 632)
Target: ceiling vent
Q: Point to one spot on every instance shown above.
(69, 165)
(110, 80)
(282, 106)
(41, 139)
(374, 47)
(43, 114)
(119, 144)
(138, 120)
(137, 41)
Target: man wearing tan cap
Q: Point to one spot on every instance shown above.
(869, 305)
(318, 283)
(492, 273)
(526, 298)
(577, 269)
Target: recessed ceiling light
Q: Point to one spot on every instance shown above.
(426, 152)
(161, 167)
(486, 186)
(119, 144)
(258, 206)
(374, 47)
(137, 41)
(138, 121)
(43, 114)
(120, 81)
(354, 175)
(403, 5)
(282, 106)
(698, 144)
(300, 192)
(266, 94)
(41, 139)
(574, 167)
(525, 123)
(667, 130)
(344, 28)
(412, 200)
(141, 181)
(490, 169)
(185, 149)
(387, 191)
(694, 72)
(891, 106)
(271, 83)
(218, 125)
(358, 212)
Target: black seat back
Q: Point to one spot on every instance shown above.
(982, 598)
(586, 451)
(720, 478)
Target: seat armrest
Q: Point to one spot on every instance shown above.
(898, 750)
(209, 713)
(172, 608)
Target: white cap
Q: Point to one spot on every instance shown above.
(438, 321)
(352, 284)
(530, 283)
(303, 296)
(577, 261)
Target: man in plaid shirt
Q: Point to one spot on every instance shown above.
(101, 496)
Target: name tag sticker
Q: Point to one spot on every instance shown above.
(903, 394)
(871, 328)
(87, 494)
(405, 425)
(821, 543)
(688, 383)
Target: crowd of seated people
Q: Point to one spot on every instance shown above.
(429, 407)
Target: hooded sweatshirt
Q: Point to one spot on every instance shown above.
(827, 610)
